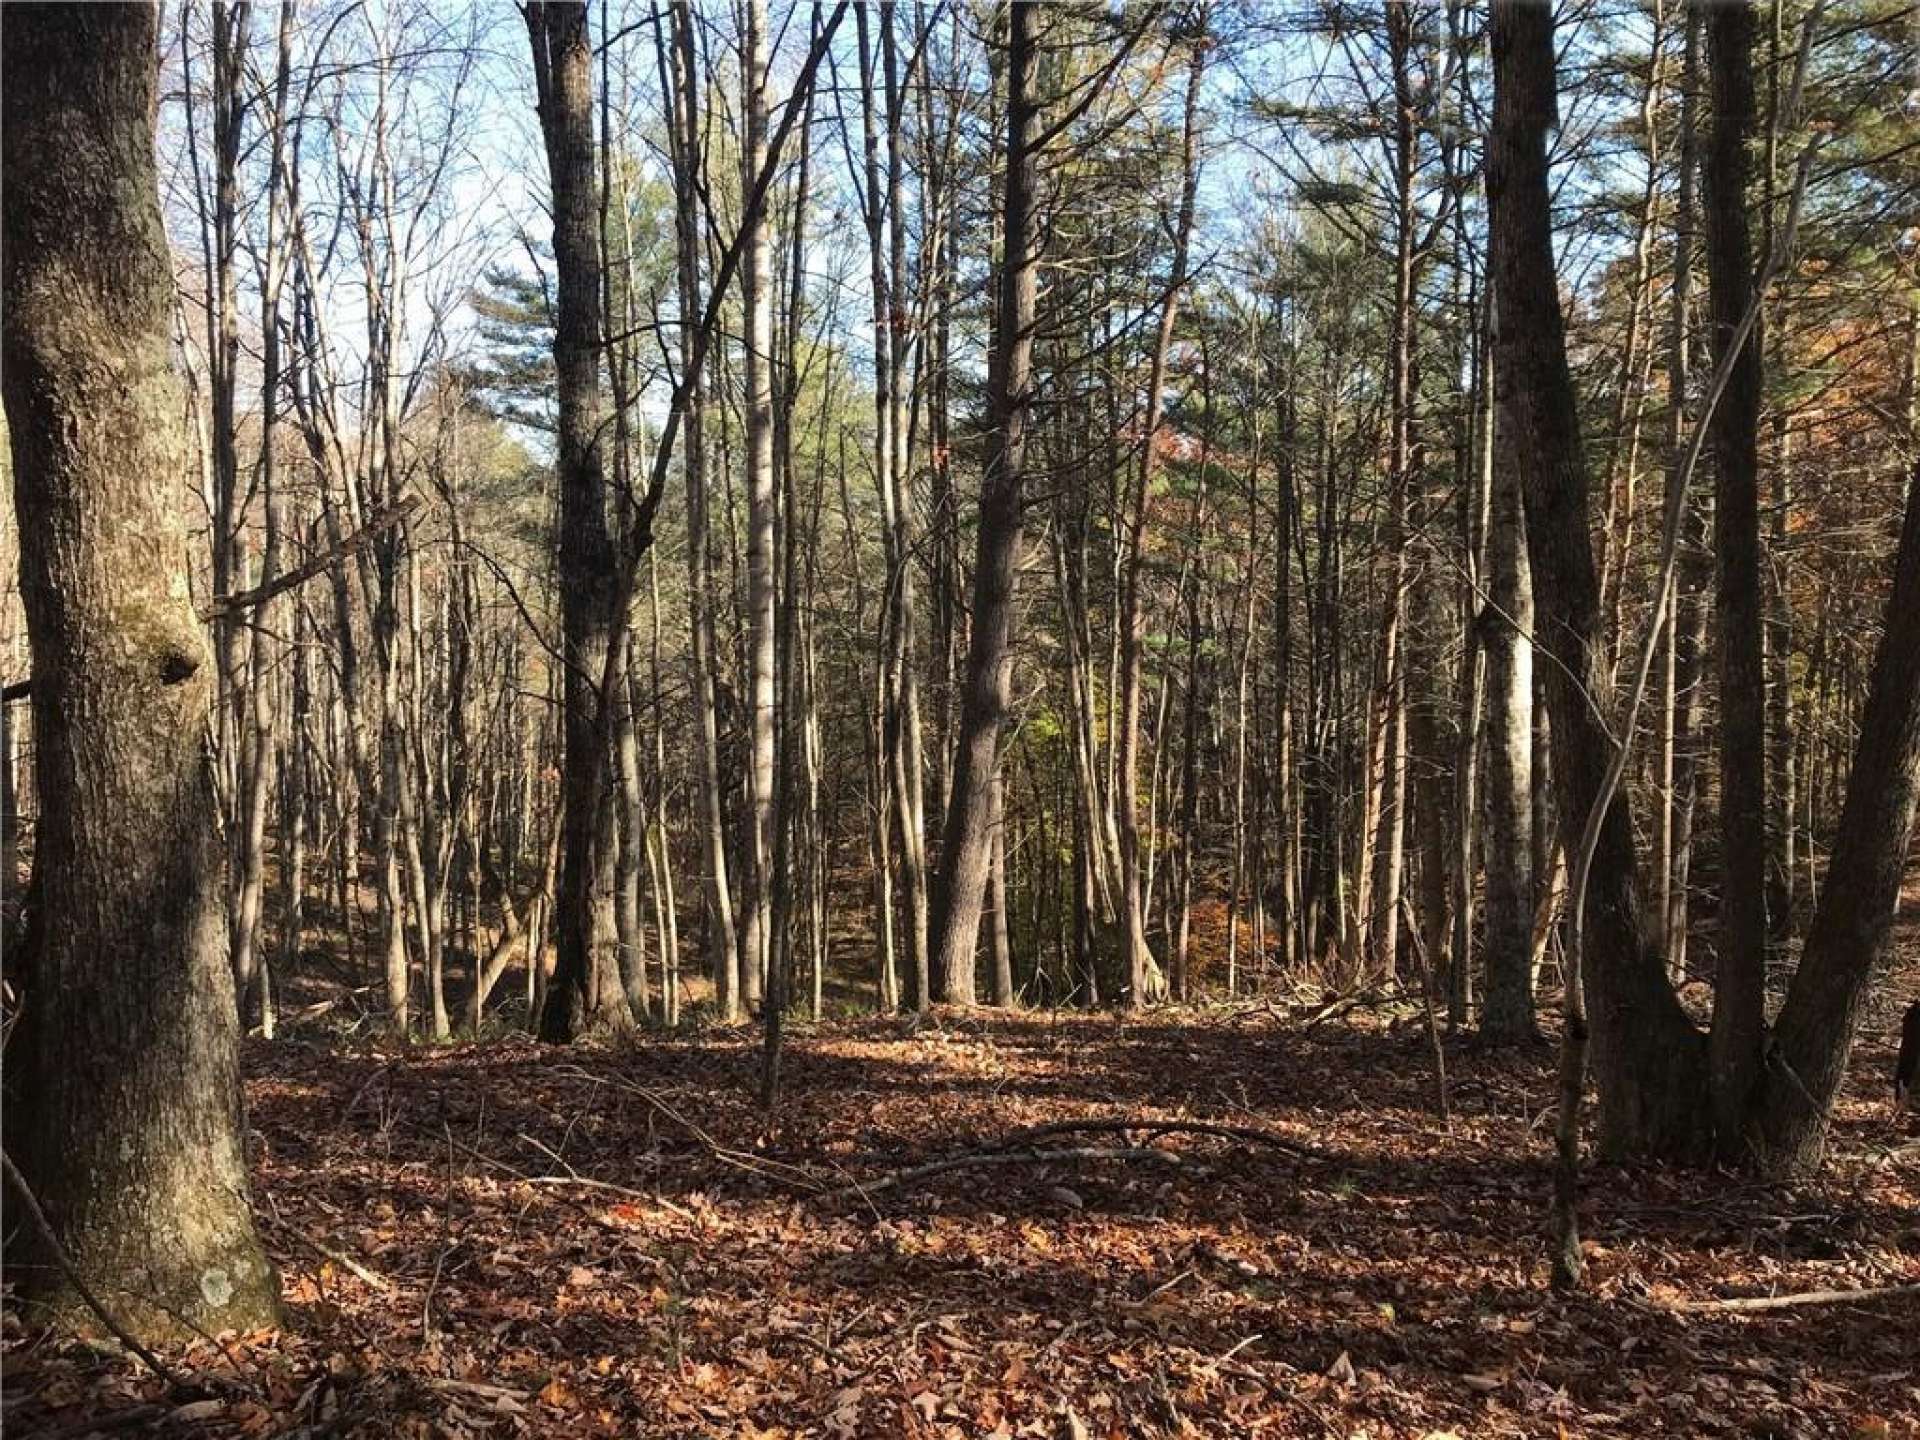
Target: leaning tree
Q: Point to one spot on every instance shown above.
(1666, 1088)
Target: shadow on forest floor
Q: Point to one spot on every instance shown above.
(509, 1239)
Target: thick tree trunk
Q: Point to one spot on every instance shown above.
(122, 1077)
(1647, 1057)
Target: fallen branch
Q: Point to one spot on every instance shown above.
(345, 1261)
(777, 1171)
(574, 1177)
(982, 1158)
(1334, 1009)
(1247, 1134)
(586, 1183)
(80, 1286)
(1441, 1096)
(479, 1390)
(393, 515)
(1749, 1303)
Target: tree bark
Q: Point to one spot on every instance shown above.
(1001, 928)
(967, 848)
(585, 993)
(908, 784)
(1648, 1058)
(756, 290)
(123, 1072)
(1739, 991)
(1684, 640)
(681, 77)
(1507, 1014)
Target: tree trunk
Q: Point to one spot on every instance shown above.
(124, 1070)
(1803, 1066)
(1647, 1057)
(756, 290)
(1683, 639)
(585, 993)
(9, 823)
(1001, 929)
(630, 824)
(1508, 626)
(710, 825)
(967, 848)
(1145, 981)
(909, 787)
(1740, 975)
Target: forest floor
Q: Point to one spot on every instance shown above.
(511, 1240)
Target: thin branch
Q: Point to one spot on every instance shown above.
(221, 605)
(80, 1286)
(1751, 1303)
(982, 1158)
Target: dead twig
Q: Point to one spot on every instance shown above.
(1750, 1303)
(981, 1158)
(221, 605)
(572, 1177)
(345, 1261)
(478, 1389)
(1365, 999)
(767, 1169)
(587, 1182)
(445, 1248)
(1152, 1129)
(1441, 1096)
